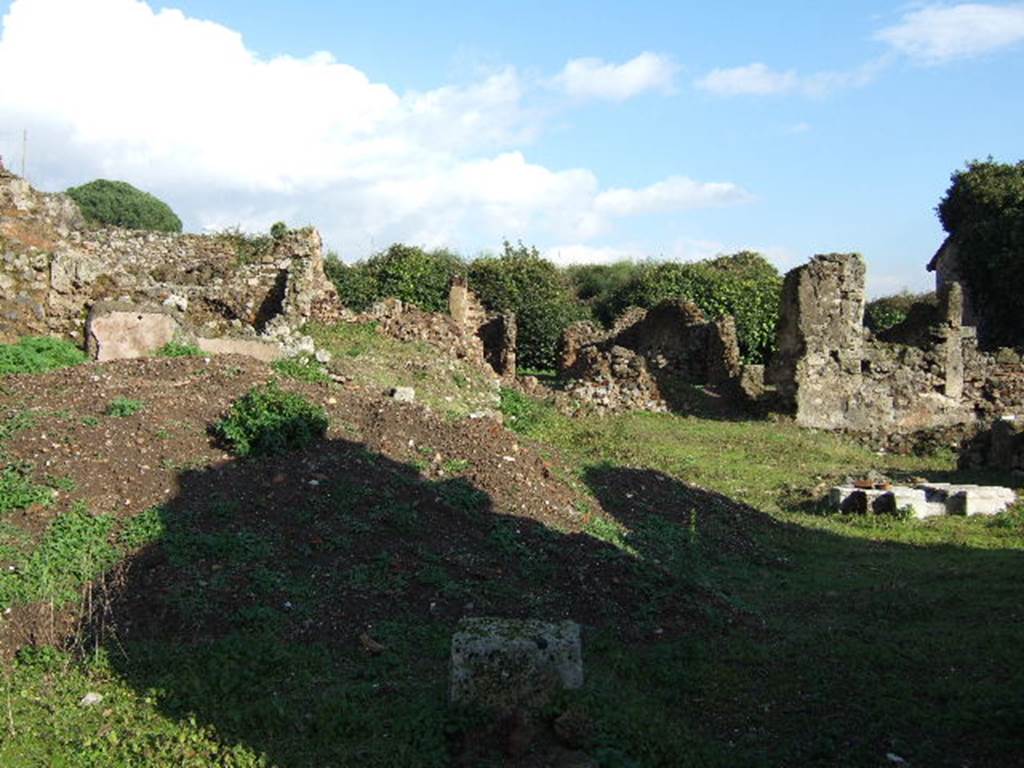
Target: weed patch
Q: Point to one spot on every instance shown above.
(75, 550)
(122, 407)
(38, 354)
(17, 490)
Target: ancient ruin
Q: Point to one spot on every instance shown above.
(120, 292)
(832, 373)
(923, 499)
(647, 356)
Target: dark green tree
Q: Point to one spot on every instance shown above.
(119, 204)
(983, 211)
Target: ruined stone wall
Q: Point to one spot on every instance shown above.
(832, 373)
(54, 268)
(646, 356)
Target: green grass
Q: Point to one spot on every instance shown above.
(823, 639)
(301, 368)
(179, 349)
(379, 363)
(37, 354)
(75, 549)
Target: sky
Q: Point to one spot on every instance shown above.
(594, 130)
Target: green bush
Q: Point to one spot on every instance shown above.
(595, 284)
(119, 204)
(177, 349)
(36, 354)
(539, 294)
(744, 285)
(268, 420)
(885, 312)
(405, 272)
(278, 230)
(983, 210)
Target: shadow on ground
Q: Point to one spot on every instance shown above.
(303, 606)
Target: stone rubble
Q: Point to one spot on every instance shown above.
(925, 499)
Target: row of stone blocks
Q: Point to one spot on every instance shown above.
(925, 499)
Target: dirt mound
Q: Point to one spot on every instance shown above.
(400, 511)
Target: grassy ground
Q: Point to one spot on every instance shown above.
(820, 639)
(379, 363)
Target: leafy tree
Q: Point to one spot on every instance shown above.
(119, 204)
(539, 294)
(983, 211)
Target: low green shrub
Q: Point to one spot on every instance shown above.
(267, 420)
(178, 349)
(37, 354)
(123, 406)
(522, 413)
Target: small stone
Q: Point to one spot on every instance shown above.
(403, 394)
(91, 699)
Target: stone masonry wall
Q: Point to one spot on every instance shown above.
(832, 373)
(54, 268)
(643, 360)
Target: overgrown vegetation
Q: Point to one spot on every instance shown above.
(983, 211)
(37, 354)
(267, 420)
(886, 312)
(119, 204)
(744, 285)
(410, 273)
(539, 294)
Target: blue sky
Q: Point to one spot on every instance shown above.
(595, 130)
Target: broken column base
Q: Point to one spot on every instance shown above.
(506, 664)
(925, 499)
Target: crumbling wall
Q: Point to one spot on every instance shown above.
(54, 268)
(497, 333)
(832, 373)
(646, 356)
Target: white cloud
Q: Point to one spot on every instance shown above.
(759, 79)
(591, 78)
(753, 79)
(181, 107)
(673, 194)
(939, 33)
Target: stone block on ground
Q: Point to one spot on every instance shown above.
(514, 663)
(265, 351)
(121, 331)
(403, 394)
